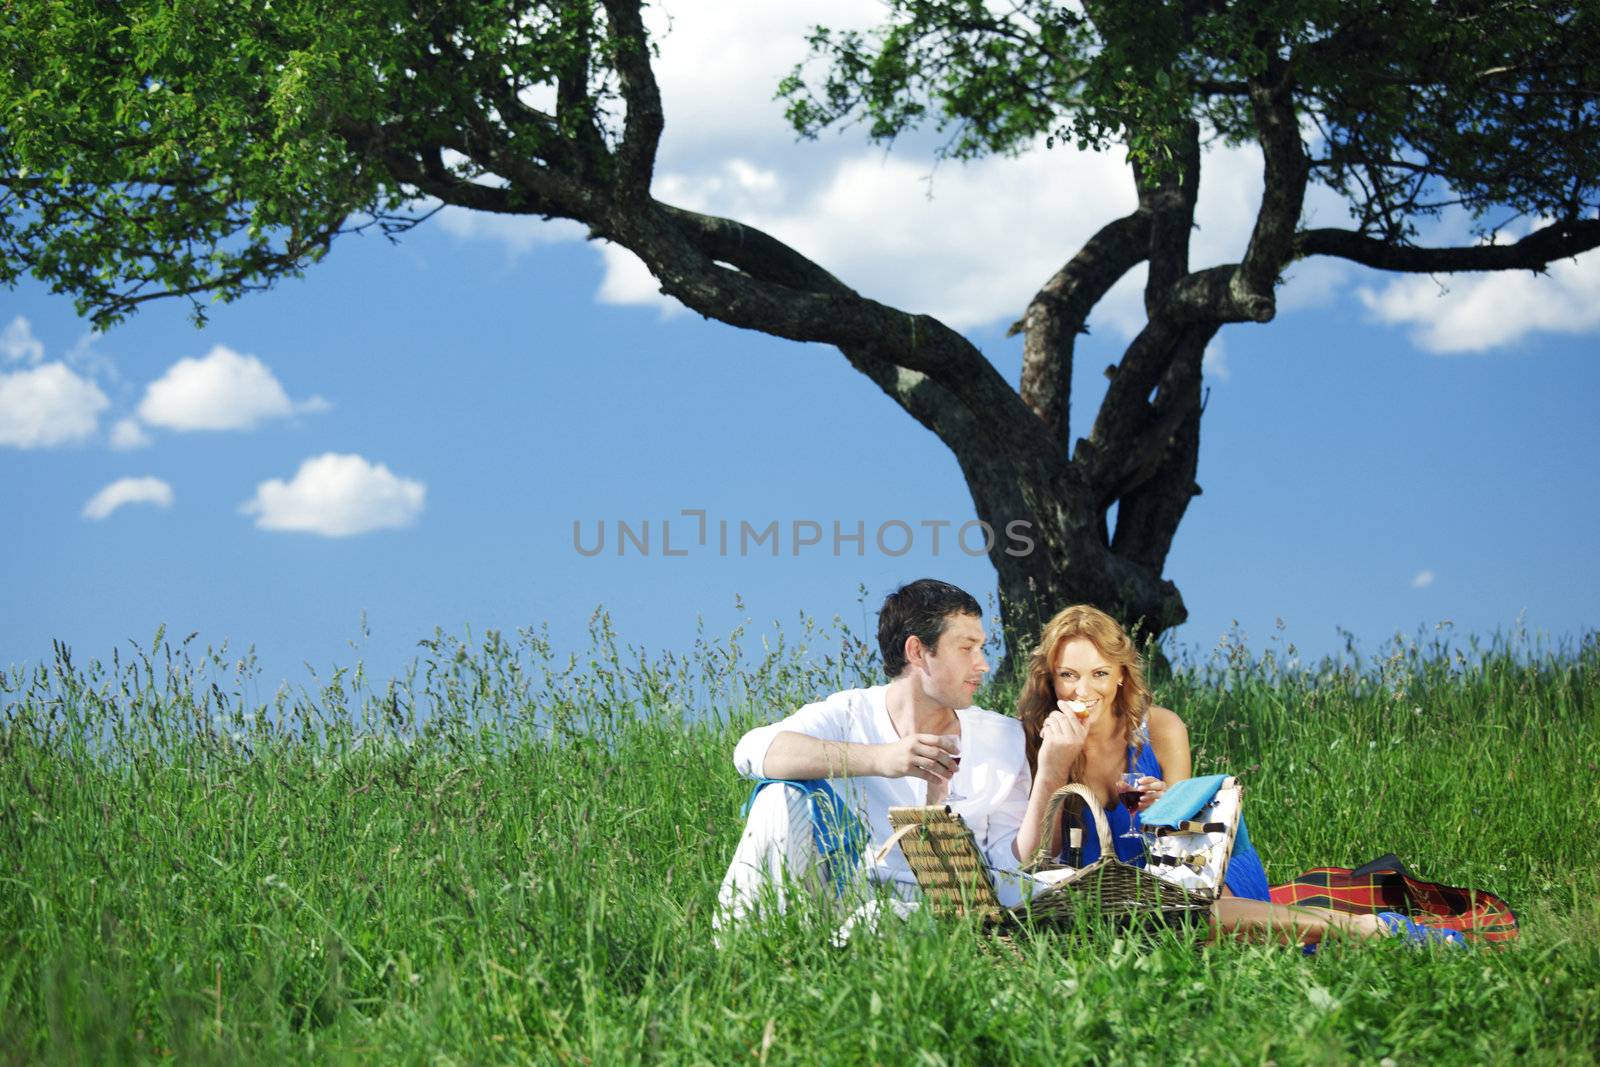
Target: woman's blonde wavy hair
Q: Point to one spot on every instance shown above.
(1038, 697)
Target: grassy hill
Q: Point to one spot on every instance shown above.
(506, 857)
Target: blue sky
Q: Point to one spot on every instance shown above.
(415, 429)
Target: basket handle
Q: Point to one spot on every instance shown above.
(888, 846)
(1052, 816)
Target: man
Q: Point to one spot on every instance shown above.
(916, 740)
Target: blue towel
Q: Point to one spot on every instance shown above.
(1183, 801)
(834, 827)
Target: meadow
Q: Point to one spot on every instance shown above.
(508, 856)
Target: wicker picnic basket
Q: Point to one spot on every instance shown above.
(955, 881)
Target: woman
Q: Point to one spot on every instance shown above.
(1087, 718)
(1084, 657)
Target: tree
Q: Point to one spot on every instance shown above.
(156, 148)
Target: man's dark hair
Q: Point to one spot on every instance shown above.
(919, 608)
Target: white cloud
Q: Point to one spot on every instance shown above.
(748, 176)
(86, 358)
(628, 281)
(721, 61)
(18, 345)
(337, 495)
(1422, 579)
(48, 405)
(128, 491)
(1477, 312)
(222, 391)
(127, 434)
(972, 253)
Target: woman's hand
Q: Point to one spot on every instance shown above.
(1061, 738)
(1152, 790)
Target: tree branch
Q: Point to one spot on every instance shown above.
(1214, 295)
(534, 190)
(754, 251)
(1559, 240)
(1123, 420)
(641, 131)
(1246, 291)
(1170, 202)
(1176, 399)
(1058, 312)
(1157, 489)
(575, 106)
(773, 288)
(1125, 411)
(1286, 173)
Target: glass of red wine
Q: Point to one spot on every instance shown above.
(952, 794)
(1129, 793)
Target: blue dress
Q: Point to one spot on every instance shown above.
(1246, 877)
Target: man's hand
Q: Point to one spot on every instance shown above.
(931, 757)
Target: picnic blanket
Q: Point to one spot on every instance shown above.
(1386, 885)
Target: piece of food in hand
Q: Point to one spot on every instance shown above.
(1077, 707)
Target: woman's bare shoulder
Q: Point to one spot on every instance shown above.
(1164, 722)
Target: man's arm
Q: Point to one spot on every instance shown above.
(930, 757)
(810, 743)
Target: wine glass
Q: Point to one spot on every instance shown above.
(952, 794)
(1130, 793)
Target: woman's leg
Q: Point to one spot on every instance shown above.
(1260, 920)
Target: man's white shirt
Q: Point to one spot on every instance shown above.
(992, 781)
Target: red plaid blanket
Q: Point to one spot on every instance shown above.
(1386, 885)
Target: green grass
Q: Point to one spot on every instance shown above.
(506, 858)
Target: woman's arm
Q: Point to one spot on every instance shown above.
(1060, 742)
(1169, 739)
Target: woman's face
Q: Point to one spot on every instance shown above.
(1083, 674)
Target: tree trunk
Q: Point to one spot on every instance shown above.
(1051, 550)
(1047, 523)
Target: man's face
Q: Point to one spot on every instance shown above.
(953, 669)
